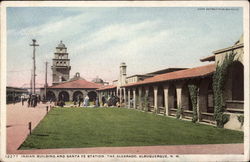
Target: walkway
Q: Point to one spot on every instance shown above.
(19, 116)
(178, 149)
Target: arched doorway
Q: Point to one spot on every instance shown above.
(92, 96)
(77, 95)
(63, 96)
(50, 96)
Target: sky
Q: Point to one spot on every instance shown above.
(98, 39)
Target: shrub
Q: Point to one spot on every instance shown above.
(241, 119)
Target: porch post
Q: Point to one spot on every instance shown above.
(129, 104)
(155, 99)
(140, 98)
(179, 96)
(146, 99)
(165, 88)
(134, 98)
(125, 97)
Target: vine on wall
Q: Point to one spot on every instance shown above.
(219, 80)
(193, 91)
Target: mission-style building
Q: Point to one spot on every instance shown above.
(161, 92)
(66, 88)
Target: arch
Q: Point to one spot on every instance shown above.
(237, 86)
(77, 95)
(92, 95)
(172, 97)
(50, 95)
(185, 98)
(63, 96)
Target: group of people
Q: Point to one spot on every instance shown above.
(79, 101)
(111, 101)
(32, 100)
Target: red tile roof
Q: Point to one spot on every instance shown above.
(209, 58)
(80, 83)
(107, 87)
(182, 74)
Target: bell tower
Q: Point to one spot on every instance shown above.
(123, 74)
(61, 64)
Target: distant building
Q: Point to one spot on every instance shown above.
(99, 81)
(13, 94)
(66, 88)
(71, 90)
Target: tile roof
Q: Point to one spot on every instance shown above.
(209, 58)
(79, 83)
(107, 87)
(182, 74)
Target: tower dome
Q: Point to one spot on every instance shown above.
(98, 80)
(61, 45)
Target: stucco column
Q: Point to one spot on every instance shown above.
(155, 99)
(128, 98)
(125, 97)
(134, 98)
(140, 97)
(165, 88)
(146, 99)
(120, 95)
(179, 95)
(100, 96)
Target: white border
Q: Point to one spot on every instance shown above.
(199, 157)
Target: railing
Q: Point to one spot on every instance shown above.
(172, 111)
(151, 108)
(235, 106)
(161, 110)
(207, 117)
(187, 114)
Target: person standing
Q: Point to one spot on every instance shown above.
(22, 99)
(96, 102)
(86, 101)
(103, 100)
(79, 101)
(29, 101)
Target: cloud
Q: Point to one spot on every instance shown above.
(98, 40)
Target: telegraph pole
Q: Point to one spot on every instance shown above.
(34, 66)
(31, 81)
(46, 83)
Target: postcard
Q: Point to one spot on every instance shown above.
(125, 81)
